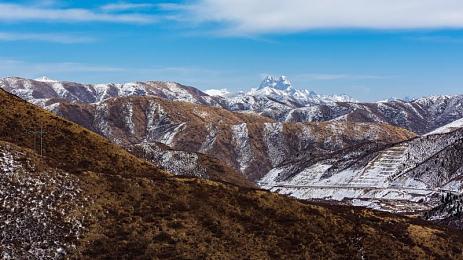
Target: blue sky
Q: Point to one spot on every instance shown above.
(370, 50)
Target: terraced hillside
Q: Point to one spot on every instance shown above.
(410, 176)
(87, 198)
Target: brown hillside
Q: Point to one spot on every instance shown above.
(130, 210)
(249, 143)
(65, 144)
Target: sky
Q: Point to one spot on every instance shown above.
(368, 49)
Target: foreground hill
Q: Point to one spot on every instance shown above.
(89, 198)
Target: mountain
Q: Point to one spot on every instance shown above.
(276, 88)
(186, 163)
(218, 92)
(448, 127)
(420, 115)
(244, 141)
(276, 98)
(88, 198)
(249, 143)
(343, 159)
(46, 92)
(409, 176)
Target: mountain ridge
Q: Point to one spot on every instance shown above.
(249, 143)
(420, 115)
(409, 176)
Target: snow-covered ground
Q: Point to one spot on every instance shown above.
(35, 219)
(448, 127)
(405, 175)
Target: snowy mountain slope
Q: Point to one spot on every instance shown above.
(449, 211)
(276, 98)
(448, 127)
(249, 143)
(188, 163)
(409, 176)
(46, 92)
(420, 116)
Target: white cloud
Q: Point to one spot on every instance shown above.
(14, 12)
(45, 37)
(11, 67)
(270, 16)
(97, 73)
(127, 6)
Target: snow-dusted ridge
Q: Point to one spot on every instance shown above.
(275, 98)
(408, 177)
(44, 91)
(380, 178)
(457, 124)
(280, 89)
(45, 79)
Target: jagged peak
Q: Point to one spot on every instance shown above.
(281, 83)
(45, 79)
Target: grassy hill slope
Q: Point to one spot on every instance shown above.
(129, 209)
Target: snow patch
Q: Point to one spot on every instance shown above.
(242, 144)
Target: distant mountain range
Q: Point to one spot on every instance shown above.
(249, 143)
(274, 98)
(279, 89)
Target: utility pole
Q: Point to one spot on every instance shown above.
(40, 135)
(34, 134)
(41, 141)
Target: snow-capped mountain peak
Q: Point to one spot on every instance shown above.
(45, 79)
(281, 83)
(218, 92)
(282, 89)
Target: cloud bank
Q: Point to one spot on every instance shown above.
(127, 6)
(45, 37)
(18, 13)
(276, 16)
